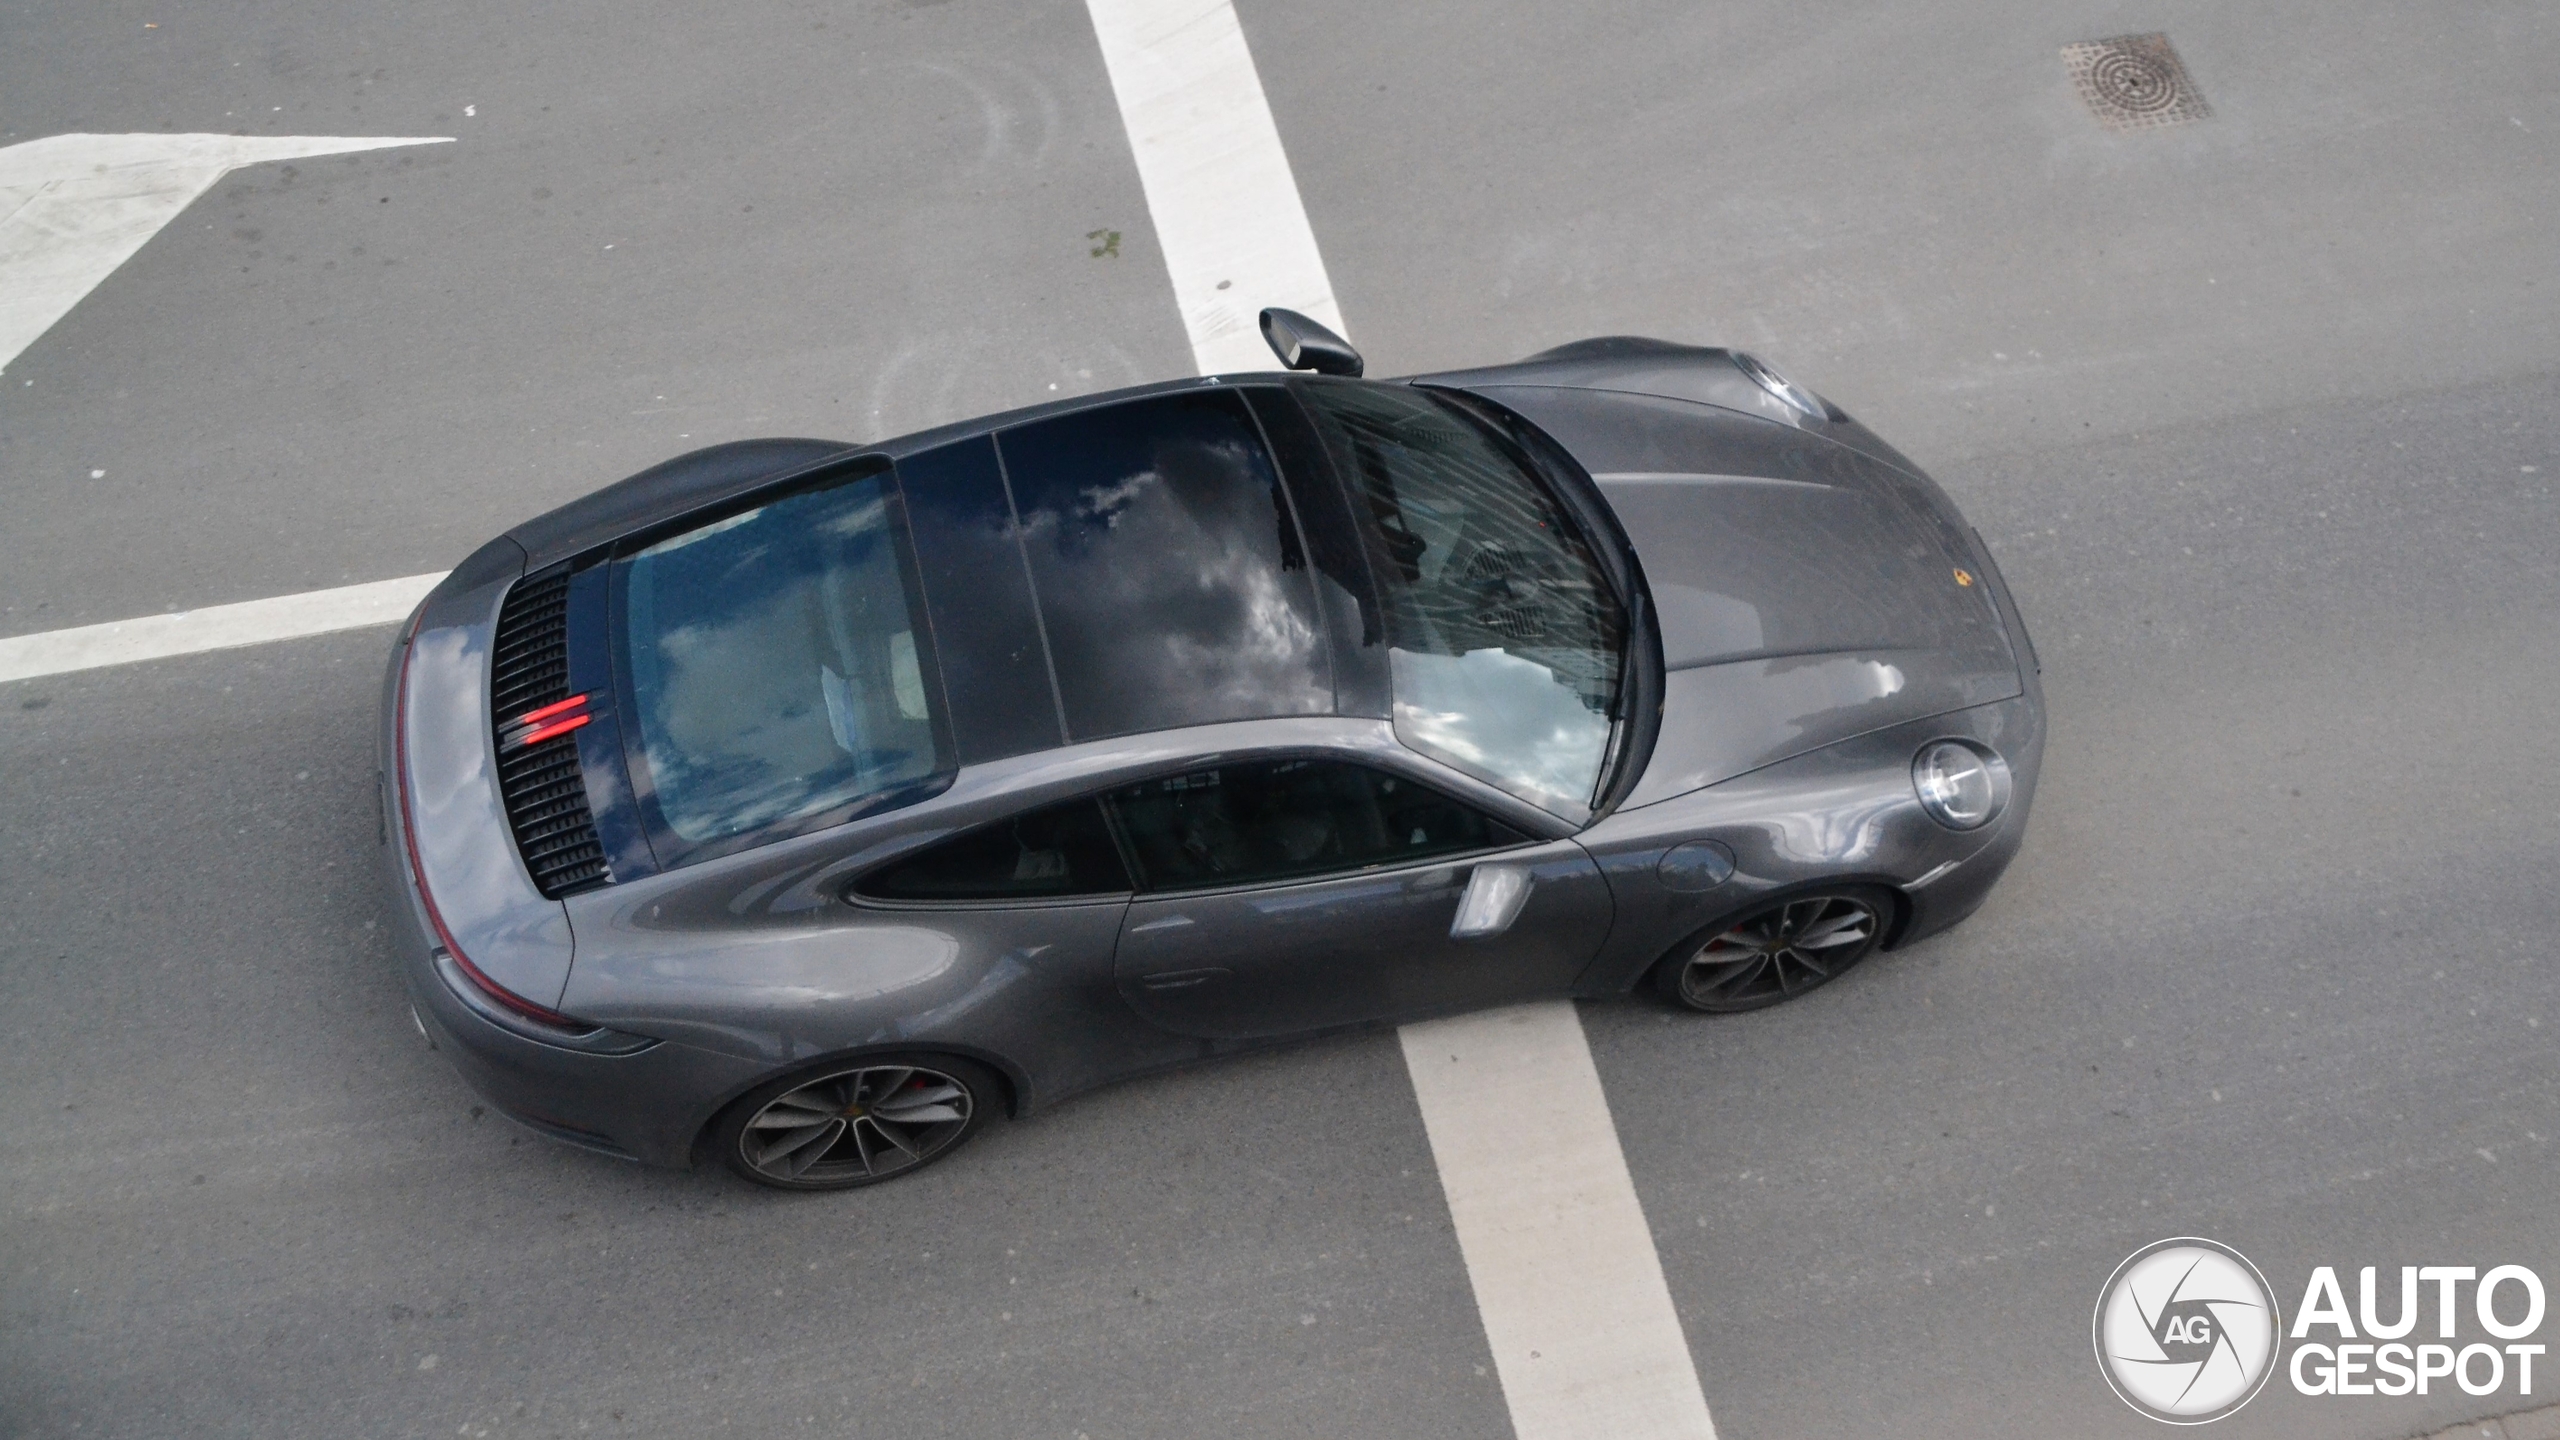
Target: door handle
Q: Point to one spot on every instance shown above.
(1182, 979)
(1493, 898)
(1169, 922)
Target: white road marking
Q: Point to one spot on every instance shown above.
(1225, 205)
(216, 627)
(1566, 1278)
(74, 207)
(1565, 1274)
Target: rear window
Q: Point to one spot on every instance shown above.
(777, 668)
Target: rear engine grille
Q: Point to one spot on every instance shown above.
(546, 793)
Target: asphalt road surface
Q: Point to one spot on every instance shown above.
(2262, 415)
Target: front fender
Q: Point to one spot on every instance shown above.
(1844, 814)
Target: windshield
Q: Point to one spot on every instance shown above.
(774, 665)
(1505, 639)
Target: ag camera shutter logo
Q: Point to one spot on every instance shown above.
(2186, 1330)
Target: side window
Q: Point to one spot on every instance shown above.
(1062, 851)
(1278, 819)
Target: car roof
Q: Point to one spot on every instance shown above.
(715, 474)
(1121, 569)
(1102, 573)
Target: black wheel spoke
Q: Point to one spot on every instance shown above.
(877, 1086)
(889, 1130)
(1731, 980)
(801, 1149)
(787, 1114)
(1831, 930)
(864, 1147)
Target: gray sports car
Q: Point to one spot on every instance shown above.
(807, 804)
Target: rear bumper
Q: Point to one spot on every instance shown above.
(648, 1104)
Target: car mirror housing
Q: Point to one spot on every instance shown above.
(1302, 344)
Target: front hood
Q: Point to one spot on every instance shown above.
(1805, 591)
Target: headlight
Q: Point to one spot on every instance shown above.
(1961, 787)
(1790, 394)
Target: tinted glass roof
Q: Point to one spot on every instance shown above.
(1172, 584)
(986, 626)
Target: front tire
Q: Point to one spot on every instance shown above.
(857, 1122)
(1777, 952)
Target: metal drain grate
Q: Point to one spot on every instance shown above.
(2134, 82)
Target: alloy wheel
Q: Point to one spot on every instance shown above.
(856, 1125)
(1779, 953)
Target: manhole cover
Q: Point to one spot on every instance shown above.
(2134, 82)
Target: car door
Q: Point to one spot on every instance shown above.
(1030, 906)
(1284, 896)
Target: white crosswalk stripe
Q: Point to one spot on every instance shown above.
(1219, 190)
(1570, 1288)
(1565, 1274)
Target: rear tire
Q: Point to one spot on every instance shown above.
(1778, 951)
(855, 1122)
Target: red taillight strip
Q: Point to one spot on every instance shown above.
(554, 730)
(418, 871)
(536, 717)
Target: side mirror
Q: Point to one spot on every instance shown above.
(1492, 901)
(1302, 344)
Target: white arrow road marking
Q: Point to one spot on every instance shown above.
(1566, 1278)
(1225, 206)
(216, 627)
(74, 207)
